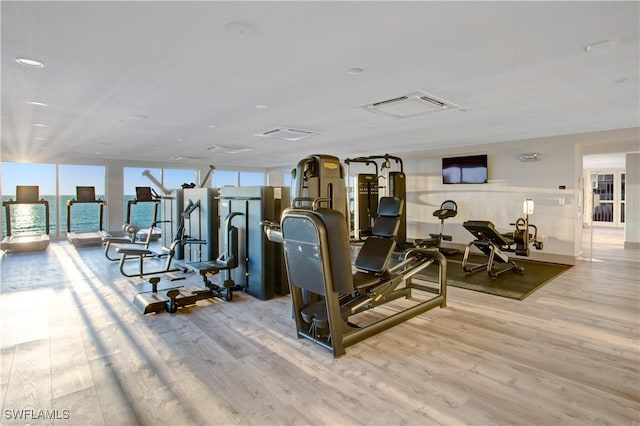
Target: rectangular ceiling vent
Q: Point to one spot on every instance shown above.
(180, 158)
(228, 149)
(287, 134)
(415, 103)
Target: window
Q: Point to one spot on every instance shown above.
(221, 178)
(252, 179)
(30, 218)
(174, 178)
(288, 179)
(84, 217)
(140, 214)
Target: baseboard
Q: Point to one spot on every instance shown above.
(631, 245)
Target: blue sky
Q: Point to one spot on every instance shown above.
(44, 175)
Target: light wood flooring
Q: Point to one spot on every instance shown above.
(74, 348)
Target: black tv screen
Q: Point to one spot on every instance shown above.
(469, 169)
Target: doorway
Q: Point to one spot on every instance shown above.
(608, 198)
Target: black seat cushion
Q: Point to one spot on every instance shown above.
(375, 254)
(390, 206)
(386, 226)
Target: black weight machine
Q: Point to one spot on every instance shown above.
(26, 241)
(327, 294)
(495, 245)
(367, 190)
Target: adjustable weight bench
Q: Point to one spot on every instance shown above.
(493, 244)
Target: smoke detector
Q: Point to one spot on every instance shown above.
(415, 103)
(287, 134)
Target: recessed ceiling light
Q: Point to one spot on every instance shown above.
(37, 103)
(356, 70)
(211, 126)
(30, 63)
(99, 153)
(262, 106)
(180, 140)
(40, 139)
(39, 125)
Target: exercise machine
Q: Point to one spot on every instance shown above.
(170, 298)
(318, 259)
(495, 245)
(85, 195)
(367, 189)
(320, 176)
(135, 236)
(172, 205)
(145, 195)
(448, 209)
(261, 269)
(201, 224)
(27, 240)
(128, 252)
(132, 232)
(225, 263)
(327, 295)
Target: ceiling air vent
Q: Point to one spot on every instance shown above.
(180, 158)
(228, 149)
(415, 103)
(287, 134)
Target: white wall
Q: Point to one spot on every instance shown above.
(632, 201)
(500, 200)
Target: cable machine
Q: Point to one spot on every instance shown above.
(367, 189)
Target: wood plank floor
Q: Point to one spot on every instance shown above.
(75, 351)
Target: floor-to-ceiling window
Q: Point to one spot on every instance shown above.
(221, 178)
(252, 178)
(140, 213)
(85, 217)
(29, 218)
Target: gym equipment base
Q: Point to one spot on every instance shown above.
(25, 242)
(171, 298)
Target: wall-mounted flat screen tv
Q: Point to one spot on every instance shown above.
(469, 169)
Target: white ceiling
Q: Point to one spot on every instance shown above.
(148, 80)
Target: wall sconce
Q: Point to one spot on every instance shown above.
(530, 156)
